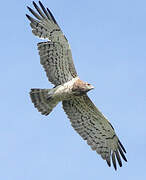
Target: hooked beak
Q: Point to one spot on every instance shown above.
(91, 87)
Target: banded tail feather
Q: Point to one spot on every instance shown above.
(43, 100)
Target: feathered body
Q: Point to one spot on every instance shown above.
(49, 98)
(71, 88)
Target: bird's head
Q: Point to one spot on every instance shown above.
(80, 87)
(88, 87)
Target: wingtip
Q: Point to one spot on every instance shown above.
(42, 6)
(29, 8)
(33, 2)
(54, 20)
(122, 146)
(115, 167)
(114, 160)
(126, 159)
(27, 16)
(40, 3)
(35, 5)
(108, 163)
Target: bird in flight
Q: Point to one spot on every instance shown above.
(56, 58)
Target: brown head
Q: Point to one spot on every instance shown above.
(80, 87)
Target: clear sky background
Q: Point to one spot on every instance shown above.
(108, 41)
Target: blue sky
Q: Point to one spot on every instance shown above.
(108, 41)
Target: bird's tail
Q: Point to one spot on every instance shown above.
(43, 100)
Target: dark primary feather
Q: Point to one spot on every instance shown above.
(108, 160)
(34, 13)
(114, 160)
(44, 10)
(32, 19)
(93, 127)
(52, 16)
(122, 146)
(118, 158)
(122, 154)
(39, 10)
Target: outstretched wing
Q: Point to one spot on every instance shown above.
(93, 127)
(55, 54)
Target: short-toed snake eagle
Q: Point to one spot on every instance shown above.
(56, 58)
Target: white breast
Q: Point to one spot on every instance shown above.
(64, 91)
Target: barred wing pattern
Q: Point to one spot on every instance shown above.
(93, 127)
(55, 54)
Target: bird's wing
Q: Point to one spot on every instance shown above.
(55, 54)
(93, 127)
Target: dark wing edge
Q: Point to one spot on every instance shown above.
(55, 54)
(93, 127)
(45, 25)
